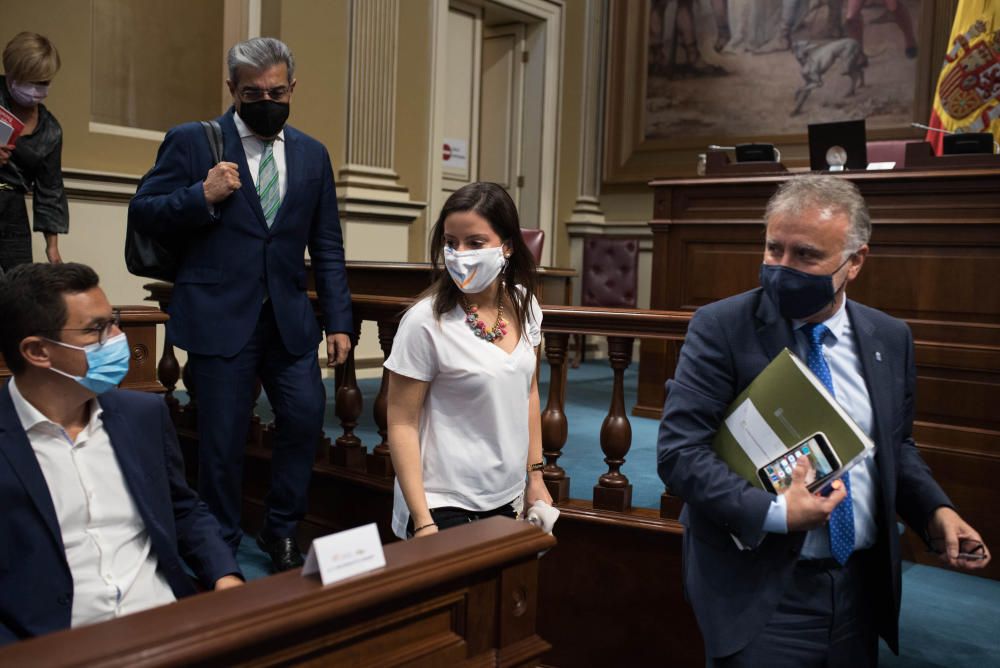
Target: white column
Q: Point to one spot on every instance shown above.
(587, 208)
(374, 206)
(588, 217)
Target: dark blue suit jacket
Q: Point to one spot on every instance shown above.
(734, 592)
(36, 586)
(231, 257)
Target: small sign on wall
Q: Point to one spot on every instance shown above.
(455, 154)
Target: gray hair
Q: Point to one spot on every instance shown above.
(259, 53)
(829, 193)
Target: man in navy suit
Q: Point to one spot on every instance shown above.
(239, 305)
(787, 580)
(96, 516)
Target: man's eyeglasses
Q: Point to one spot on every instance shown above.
(278, 94)
(103, 330)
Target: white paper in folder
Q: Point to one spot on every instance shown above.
(754, 434)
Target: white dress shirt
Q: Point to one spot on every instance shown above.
(107, 547)
(254, 150)
(841, 352)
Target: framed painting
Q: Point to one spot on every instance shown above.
(684, 74)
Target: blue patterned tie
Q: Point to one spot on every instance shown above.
(267, 184)
(841, 523)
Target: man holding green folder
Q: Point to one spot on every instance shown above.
(803, 579)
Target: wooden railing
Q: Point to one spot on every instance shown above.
(468, 596)
(612, 491)
(621, 327)
(352, 484)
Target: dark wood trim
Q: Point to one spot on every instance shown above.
(287, 617)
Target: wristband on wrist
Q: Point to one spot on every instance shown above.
(425, 526)
(536, 467)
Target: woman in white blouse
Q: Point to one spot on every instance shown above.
(464, 414)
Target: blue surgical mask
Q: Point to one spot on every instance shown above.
(798, 294)
(107, 363)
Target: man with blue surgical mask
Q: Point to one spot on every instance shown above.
(97, 519)
(810, 580)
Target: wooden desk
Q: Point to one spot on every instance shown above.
(466, 596)
(934, 261)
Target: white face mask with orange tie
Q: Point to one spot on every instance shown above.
(474, 270)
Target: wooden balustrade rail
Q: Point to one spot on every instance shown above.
(612, 491)
(467, 596)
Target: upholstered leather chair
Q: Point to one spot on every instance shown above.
(534, 240)
(610, 275)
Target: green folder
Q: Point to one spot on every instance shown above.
(784, 405)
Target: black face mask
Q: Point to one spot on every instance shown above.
(264, 117)
(798, 294)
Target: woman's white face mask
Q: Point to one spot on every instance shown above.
(474, 270)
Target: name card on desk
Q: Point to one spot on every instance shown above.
(345, 554)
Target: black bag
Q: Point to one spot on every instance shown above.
(151, 257)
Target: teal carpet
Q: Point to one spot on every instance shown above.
(948, 619)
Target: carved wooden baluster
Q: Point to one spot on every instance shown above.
(613, 490)
(380, 461)
(554, 425)
(168, 372)
(347, 450)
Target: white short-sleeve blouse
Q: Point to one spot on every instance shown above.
(474, 422)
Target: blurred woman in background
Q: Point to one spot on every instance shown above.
(33, 163)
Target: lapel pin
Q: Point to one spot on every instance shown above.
(878, 356)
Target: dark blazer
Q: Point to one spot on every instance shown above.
(36, 586)
(734, 592)
(231, 257)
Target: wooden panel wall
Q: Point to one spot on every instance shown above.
(935, 262)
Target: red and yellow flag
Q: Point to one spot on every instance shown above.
(967, 98)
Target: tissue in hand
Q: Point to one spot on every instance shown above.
(543, 516)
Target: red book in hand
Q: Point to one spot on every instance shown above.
(10, 127)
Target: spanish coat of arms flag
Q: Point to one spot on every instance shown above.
(967, 98)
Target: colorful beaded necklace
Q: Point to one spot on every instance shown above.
(478, 327)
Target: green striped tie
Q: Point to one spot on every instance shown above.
(267, 184)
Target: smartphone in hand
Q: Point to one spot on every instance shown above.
(776, 476)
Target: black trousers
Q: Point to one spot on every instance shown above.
(447, 517)
(826, 619)
(15, 230)
(224, 389)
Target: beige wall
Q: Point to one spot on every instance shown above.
(67, 23)
(413, 113)
(149, 60)
(569, 126)
(318, 33)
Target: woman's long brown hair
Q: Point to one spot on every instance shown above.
(492, 202)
